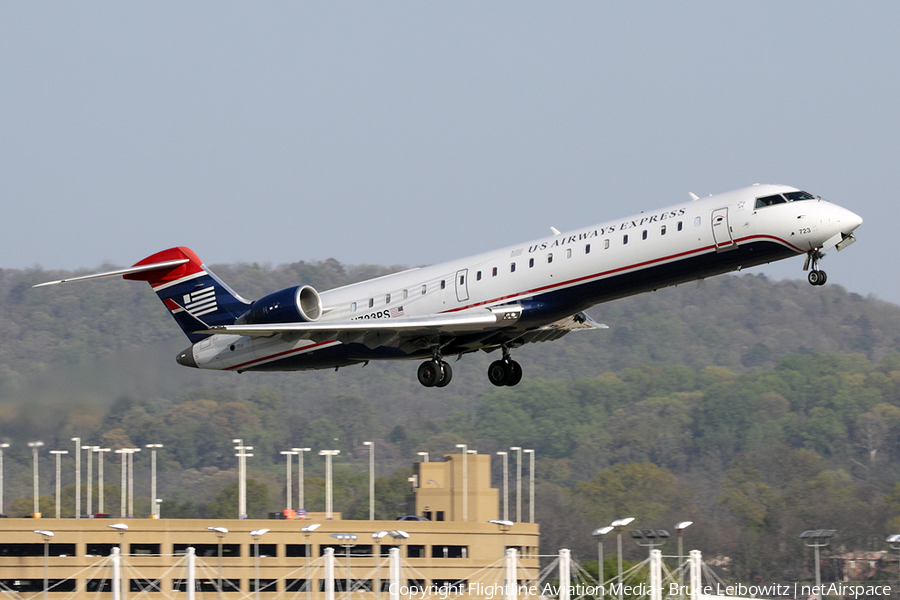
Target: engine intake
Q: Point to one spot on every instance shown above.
(298, 303)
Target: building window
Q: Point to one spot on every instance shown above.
(449, 552)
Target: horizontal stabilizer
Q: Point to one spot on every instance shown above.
(131, 270)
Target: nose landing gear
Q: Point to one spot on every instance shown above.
(815, 276)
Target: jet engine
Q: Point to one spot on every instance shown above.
(290, 305)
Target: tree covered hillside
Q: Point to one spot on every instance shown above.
(755, 409)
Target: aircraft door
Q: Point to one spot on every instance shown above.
(721, 230)
(462, 286)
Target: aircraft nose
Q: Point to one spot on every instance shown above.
(849, 221)
(186, 358)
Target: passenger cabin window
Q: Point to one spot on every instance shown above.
(478, 276)
(443, 284)
(549, 258)
(512, 267)
(353, 307)
(568, 253)
(625, 239)
(662, 230)
(644, 235)
(530, 263)
(587, 248)
(404, 295)
(462, 280)
(423, 290)
(606, 244)
(494, 272)
(697, 222)
(371, 302)
(680, 225)
(387, 298)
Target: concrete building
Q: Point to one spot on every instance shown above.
(444, 548)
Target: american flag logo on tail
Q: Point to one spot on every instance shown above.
(201, 302)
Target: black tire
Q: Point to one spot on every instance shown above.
(822, 278)
(446, 375)
(814, 278)
(498, 373)
(515, 373)
(429, 373)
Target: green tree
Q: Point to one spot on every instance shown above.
(225, 506)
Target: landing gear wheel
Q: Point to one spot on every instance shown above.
(823, 277)
(515, 373)
(446, 375)
(499, 373)
(816, 277)
(430, 373)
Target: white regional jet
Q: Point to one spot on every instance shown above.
(531, 292)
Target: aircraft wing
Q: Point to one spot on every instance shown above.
(553, 331)
(376, 332)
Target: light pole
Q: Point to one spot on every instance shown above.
(34, 459)
(300, 499)
(100, 452)
(347, 540)
(598, 535)
(376, 537)
(464, 450)
(649, 538)
(2, 446)
(307, 532)
(121, 528)
(894, 541)
(518, 450)
(242, 476)
(90, 477)
(505, 456)
(424, 456)
(256, 534)
(371, 446)
(289, 485)
(328, 454)
(46, 535)
(220, 534)
(131, 452)
(154, 505)
(618, 525)
(530, 485)
(679, 529)
(58, 453)
(77, 441)
(817, 538)
(123, 492)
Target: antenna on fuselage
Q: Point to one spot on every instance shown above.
(554, 230)
(693, 196)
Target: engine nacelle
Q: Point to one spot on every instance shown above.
(298, 303)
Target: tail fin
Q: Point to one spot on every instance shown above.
(196, 298)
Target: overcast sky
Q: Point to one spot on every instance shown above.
(412, 133)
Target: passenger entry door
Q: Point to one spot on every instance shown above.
(721, 230)
(462, 286)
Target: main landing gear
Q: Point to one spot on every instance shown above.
(435, 373)
(505, 371)
(815, 276)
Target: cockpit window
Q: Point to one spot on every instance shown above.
(793, 196)
(770, 200)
